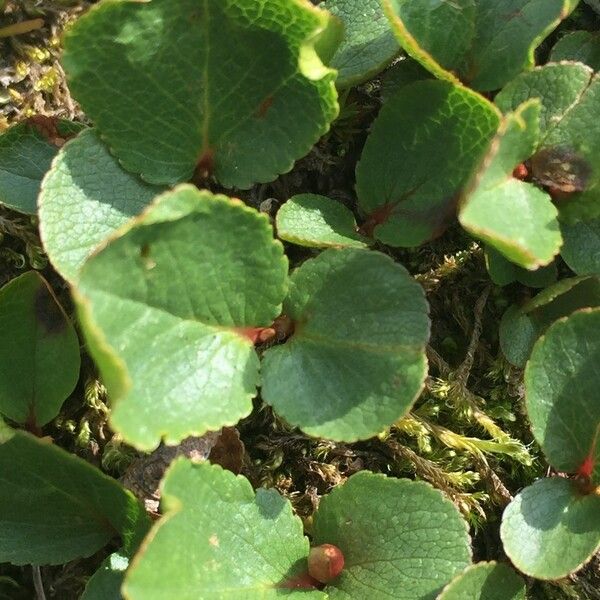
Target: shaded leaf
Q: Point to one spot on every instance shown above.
(561, 390)
(581, 46)
(485, 581)
(85, 197)
(550, 530)
(408, 190)
(164, 306)
(581, 248)
(401, 539)
(521, 326)
(356, 361)
(318, 222)
(484, 43)
(502, 271)
(39, 351)
(219, 539)
(172, 96)
(513, 216)
(55, 507)
(25, 156)
(368, 45)
(401, 74)
(105, 583)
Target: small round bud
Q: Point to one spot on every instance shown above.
(325, 562)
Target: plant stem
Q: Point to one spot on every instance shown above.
(22, 27)
(37, 583)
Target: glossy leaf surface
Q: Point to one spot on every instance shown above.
(368, 45)
(485, 581)
(408, 190)
(55, 507)
(230, 89)
(401, 539)
(164, 306)
(550, 530)
(318, 222)
(484, 43)
(221, 540)
(561, 387)
(356, 361)
(39, 351)
(567, 158)
(515, 217)
(85, 197)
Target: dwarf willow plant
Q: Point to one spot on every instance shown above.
(189, 306)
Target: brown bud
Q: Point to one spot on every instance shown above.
(325, 562)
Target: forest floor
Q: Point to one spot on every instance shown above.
(467, 434)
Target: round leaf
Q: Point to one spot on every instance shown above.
(25, 156)
(502, 271)
(84, 198)
(401, 539)
(561, 388)
(39, 351)
(318, 222)
(368, 45)
(219, 540)
(356, 361)
(558, 87)
(55, 507)
(550, 530)
(515, 217)
(580, 46)
(407, 189)
(164, 306)
(485, 581)
(581, 248)
(485, 42)
(521, 326)
(234, 89)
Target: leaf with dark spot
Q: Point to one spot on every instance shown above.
(39, 352)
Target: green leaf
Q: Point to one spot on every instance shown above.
(561, 389)
(85, 197)
(55, 507)
(25, 156)
(401, 539)
(105, 583)
(513, 216)
(581, 248)
(595, 4)
(550, 530)
(318, 222)
(580, 46)
(485, 581)
(408, 190)
(557, 86)
(233, 89)
(219, 540)
(39, 351)
(356, 361)
(502, 271)
(567, 158)
(401, 74)
(484, 43)
(368, 45)
(521, 326)
(164, 306)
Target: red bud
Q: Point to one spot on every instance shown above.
(325, 562)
